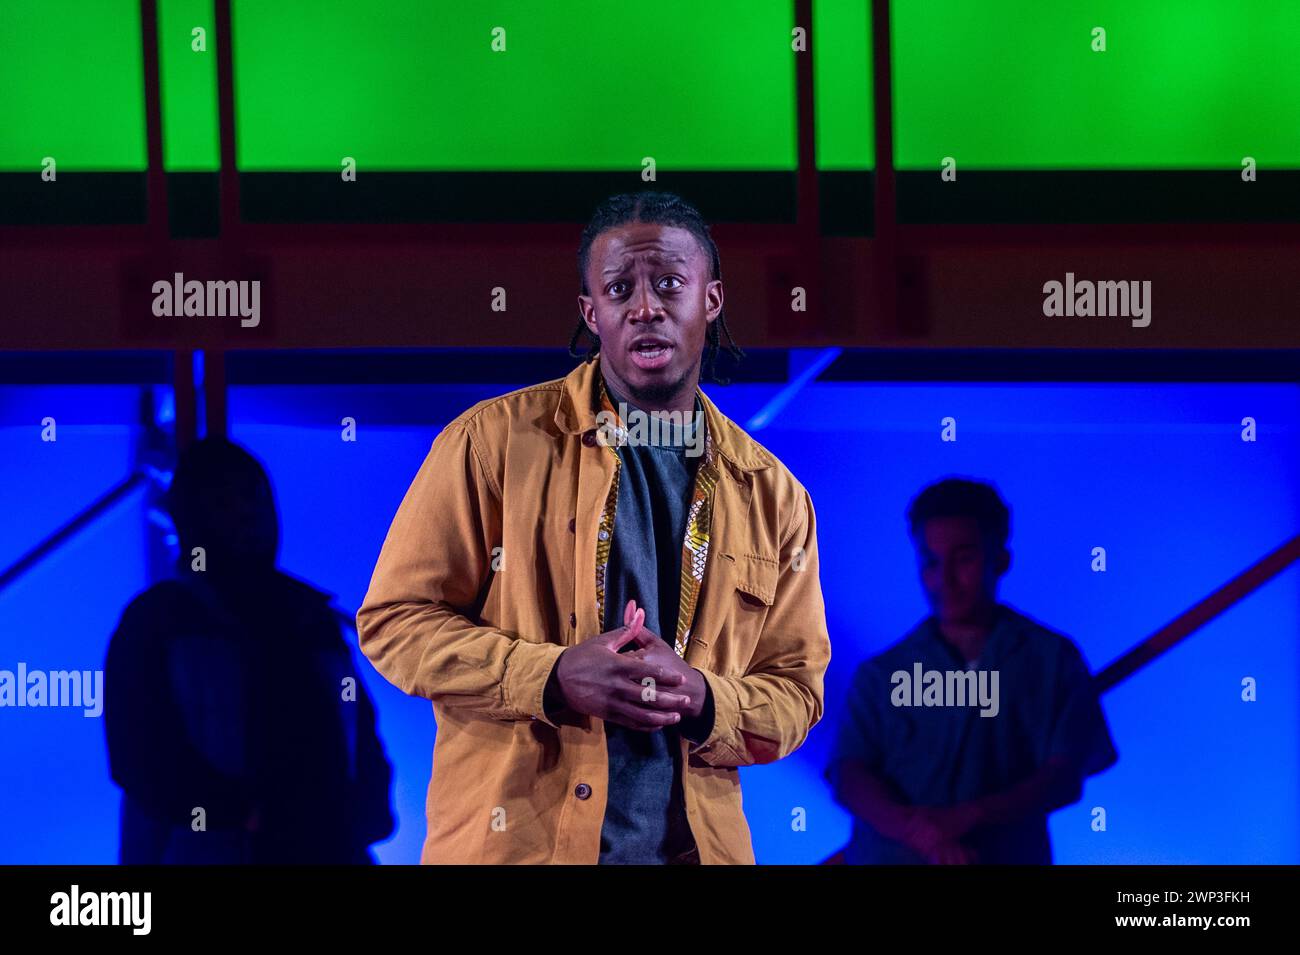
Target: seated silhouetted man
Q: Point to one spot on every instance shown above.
(959, 740)
(237, 726)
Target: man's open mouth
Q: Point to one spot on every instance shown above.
(651, 353)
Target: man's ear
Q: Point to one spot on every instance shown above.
(587, 312)
(714, 300)
(1004, 561)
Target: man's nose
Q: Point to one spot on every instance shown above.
(645, 306)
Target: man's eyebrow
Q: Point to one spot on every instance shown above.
(650, 257)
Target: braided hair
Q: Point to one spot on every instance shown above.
(660, 208)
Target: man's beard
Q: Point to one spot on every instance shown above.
(657, 393)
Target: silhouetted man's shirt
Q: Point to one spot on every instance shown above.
(942, 755)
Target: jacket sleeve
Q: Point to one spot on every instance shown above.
(766, 714)
(435, 564)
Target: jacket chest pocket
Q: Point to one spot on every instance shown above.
(749, 590)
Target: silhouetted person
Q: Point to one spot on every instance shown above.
(231, 690)
(965, 766)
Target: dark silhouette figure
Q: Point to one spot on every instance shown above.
(959, 740)
(237, 725)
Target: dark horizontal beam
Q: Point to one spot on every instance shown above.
(738, 196)
(86, 367)
(446, 366)
(1065, 364)
(505, 365)
(1098, 196)
(73, 198)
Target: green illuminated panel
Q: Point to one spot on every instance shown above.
(1016, 84)
(842, 84)
(583, 84)
(189, 86)
(73, 86)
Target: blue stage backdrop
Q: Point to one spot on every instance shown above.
(1156, 474)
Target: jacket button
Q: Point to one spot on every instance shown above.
(589, 438)
(573, 620)
(573, 526)
(582, 790)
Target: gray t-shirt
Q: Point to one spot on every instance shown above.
(645, 818)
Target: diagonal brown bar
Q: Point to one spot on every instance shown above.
(1198, 615)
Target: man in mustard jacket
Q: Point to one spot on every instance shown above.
(609, 591)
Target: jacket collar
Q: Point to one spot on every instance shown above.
(575, 413)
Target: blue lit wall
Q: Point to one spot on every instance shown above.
(57, 803)
(1160, 477)
(1157, 474)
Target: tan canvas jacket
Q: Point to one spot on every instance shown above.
(489, 571)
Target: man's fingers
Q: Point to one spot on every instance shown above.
(638, 718)
(635, 694)
(637, 670)
(952, 853)
(629, 631)
(645, 638)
